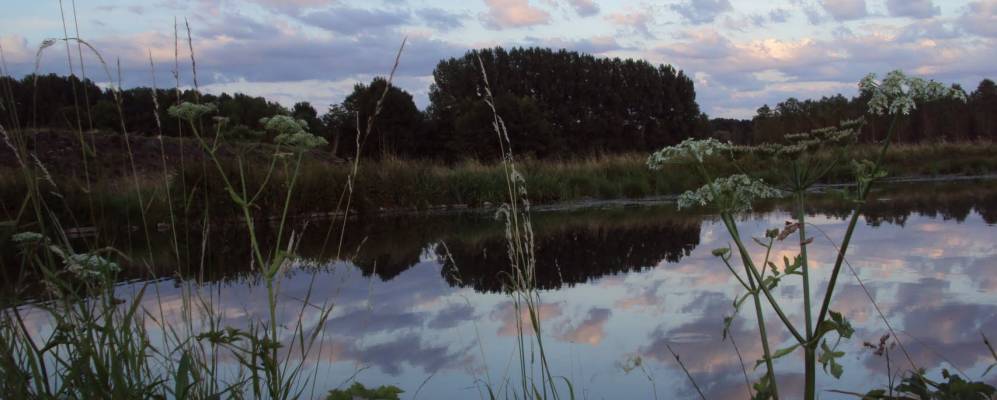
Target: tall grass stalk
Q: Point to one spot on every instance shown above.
(86, 337)
(520, 281)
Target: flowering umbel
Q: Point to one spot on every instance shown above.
(292, 132)
(190, 112)
(898, 93)
(688, 150)
(732, 194)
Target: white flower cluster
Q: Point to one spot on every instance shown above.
(689, 149)
(732, 194)
(27, 237)
(809, 142)
(89, 266)
(292, 132)
(190, 112)
(899, 94)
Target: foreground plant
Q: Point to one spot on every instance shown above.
(802, 161)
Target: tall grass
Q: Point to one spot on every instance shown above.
(398, 185)
(85, 337)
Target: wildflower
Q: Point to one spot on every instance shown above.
(190, 112)
(732, 194)
(292, 132)
(899, 94)
(27, 237)
(283, 124)
(89, 266)
(688, 149)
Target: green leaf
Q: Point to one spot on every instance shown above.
(844, 327)
(183, 381)
(828, 359)
(836, 369)
(778, 354)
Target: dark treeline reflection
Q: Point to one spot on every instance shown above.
(572, 254)
(571, 247)
(896, 203)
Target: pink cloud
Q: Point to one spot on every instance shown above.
(15, 49)
(506, 313)
(513, 14)
(591, 330)
(637, 20)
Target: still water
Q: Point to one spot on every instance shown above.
(619, 283)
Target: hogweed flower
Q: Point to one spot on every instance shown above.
(190, 112)
(689, 149)
(809, 142)
(732, 194)
(292, 132)
(90, 266)
(898, 94)
(27, 237)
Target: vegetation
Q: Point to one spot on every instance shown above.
(254, 164)
(799, 164)
(398, 185)
(944, 120)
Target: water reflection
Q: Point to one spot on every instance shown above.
(623, 282)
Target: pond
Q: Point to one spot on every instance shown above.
(418, 300)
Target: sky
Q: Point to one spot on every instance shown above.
(740, 54)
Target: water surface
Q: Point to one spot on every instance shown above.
(418, 301)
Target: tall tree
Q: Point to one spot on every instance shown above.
(568, 103)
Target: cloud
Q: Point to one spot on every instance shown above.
(440, 19)
(585, 8)
(290, 6)
(746, 22)
(594, 45)
(727, 70)
(512, 14)
(238, 26)
(779, 15)
(843, 10)
(634, 20)
(912, 8)
(591, 330)
(452, 316)
(15, 49)
(980, 18)
(352, 21)
(506, 314)
(701, 11)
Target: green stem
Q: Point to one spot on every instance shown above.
(809, 362)
(753, 272)
(863, 193)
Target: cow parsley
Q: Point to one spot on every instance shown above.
(292, 132)
(27, 237)
(190, 112)
(732, 194)
(689, 149)
(899, 94)
(89, 266)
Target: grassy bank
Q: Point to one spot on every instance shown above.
(413, 185)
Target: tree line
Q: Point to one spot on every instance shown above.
(945, 120)
(555, 104)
